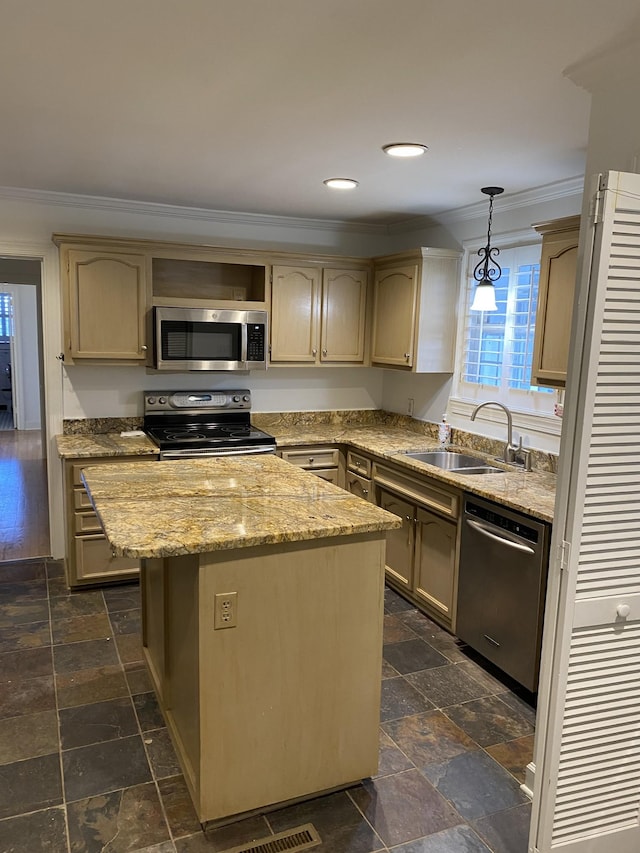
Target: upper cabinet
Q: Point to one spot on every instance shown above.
(558, 266)
(414, 310)
(318, 315)
(105, 298)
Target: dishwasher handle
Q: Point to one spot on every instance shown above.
(486, 531)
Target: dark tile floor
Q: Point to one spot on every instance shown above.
(86, 763)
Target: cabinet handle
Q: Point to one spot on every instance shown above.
(407, 355)
(311, 460)
(314, 352)
(143, 348)
(365, 491)
(324, 352)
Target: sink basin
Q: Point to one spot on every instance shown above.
(452, 461)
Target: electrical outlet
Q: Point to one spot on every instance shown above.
(225, 610)
(410, 406)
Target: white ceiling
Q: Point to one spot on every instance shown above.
(247, 105)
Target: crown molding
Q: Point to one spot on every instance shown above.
(572, 187)
(202, 214)
(569, 188)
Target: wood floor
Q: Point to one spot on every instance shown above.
(24, 510)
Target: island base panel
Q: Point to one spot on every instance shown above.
(286, 704)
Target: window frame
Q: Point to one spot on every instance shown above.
(539, 418)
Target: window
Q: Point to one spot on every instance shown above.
(497, 352)
(5, 317)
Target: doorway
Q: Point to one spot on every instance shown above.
(24, 513)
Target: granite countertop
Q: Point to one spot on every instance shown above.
(104, 444)
(220, 503)
(529, 492)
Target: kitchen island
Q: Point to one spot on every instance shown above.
(262, 621)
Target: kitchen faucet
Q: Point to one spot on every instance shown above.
(512, 455)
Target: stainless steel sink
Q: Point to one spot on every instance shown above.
(450, 460)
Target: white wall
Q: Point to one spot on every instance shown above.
(99, 392)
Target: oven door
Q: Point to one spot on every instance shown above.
(209, 339)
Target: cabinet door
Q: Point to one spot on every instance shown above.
(106, 305)
(435, 567)
(295, 293)
(344, 297)
(399, 559)
(359, 486)
(394, 315)
(94, 561)
(558, 266)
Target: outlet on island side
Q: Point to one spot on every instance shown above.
(410, 406)
(225, 610)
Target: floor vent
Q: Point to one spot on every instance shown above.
(301, 838)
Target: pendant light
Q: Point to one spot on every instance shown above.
(487, 270)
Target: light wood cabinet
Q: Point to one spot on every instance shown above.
(88, 555)
(422, 555)
(105, 296)
(318, 316)
(358, 476)
(414, 310)
(324, 462)
(558, 267)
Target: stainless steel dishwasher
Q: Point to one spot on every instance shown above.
(501, 587)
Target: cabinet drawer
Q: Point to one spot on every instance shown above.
(94, 560)
(362, 487)
(81, 499)
(424, 490)
(322, 457)
(86, 522)
(359, 464)
(328, 474)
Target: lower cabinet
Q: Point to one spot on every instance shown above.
(422, 555)
(325, 462)
(358, 477)
(89, 559)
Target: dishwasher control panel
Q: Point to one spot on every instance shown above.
(511, 525)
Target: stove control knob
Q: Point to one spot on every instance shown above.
(236, 398)
(162, 400)
(151, 400)
(246, 398)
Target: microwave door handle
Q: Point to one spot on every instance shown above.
(243, 343)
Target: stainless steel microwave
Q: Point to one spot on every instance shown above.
(209, 339)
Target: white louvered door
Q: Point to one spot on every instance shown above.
(587, 790)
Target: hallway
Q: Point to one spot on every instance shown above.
(24, 510)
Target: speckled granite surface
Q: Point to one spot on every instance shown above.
(83, 446)
(198, 505)
(532, 493)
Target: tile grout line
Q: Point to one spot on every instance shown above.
(57, 704)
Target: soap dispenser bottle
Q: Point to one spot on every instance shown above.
(444, 432)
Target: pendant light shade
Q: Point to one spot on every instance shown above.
(487, 270)
(484, 298)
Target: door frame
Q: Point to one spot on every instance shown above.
(50, 317)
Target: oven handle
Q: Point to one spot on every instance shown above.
(195, 454)
(479, 526)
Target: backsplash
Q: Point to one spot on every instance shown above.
(281, 421)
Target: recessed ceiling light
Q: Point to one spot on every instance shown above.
(404, 149)
(341, 183)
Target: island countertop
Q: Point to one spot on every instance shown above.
(220, 503)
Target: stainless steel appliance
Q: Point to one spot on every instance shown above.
(501, 587)
(209, 339)
(187, 424)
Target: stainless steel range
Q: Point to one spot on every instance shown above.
(186, 424)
